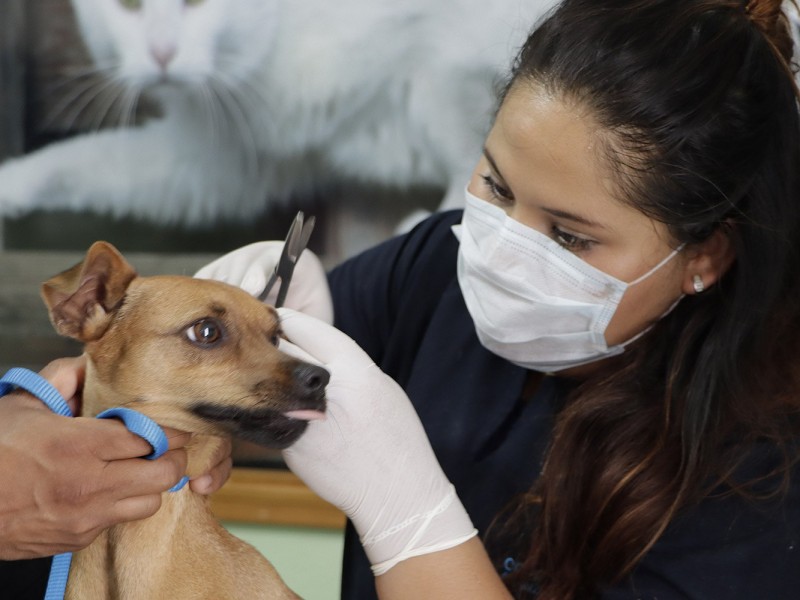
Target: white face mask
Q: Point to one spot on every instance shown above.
(534, 302)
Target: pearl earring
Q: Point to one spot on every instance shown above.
(697, 284)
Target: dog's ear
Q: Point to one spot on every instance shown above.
(82, 300)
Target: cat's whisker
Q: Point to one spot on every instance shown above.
(130, 104)
(113, 92)
(81, 81)
(244, 86)
(231, 104)
(88, 106)
(56, 112)
(65, 109)
(68, 82)
(210, 106)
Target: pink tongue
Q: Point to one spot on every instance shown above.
(305, 415)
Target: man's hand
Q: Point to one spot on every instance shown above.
(66, 479)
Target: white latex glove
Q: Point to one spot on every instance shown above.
(251, 266)
(370, 457)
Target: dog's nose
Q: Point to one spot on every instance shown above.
(311, 378)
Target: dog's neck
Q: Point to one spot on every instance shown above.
(132, 546)
(99, 395)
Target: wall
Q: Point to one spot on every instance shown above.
(308, 559)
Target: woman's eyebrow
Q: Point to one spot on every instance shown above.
(568, 216)
(561, 214)
(491, 162)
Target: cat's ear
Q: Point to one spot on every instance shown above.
(82, 300)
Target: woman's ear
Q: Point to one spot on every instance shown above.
(708, 261)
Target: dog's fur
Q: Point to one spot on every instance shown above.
(194, 355)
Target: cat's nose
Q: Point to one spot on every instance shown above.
(163, 54)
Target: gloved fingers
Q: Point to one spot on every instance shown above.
(223, 270)
(297, 352)
(213, 270)
(232, 267)
(254, 281)
(309, 292)
(322, 341)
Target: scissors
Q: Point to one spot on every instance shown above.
(296, 242)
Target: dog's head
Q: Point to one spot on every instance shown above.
(193, 354)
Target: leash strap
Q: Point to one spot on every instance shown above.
(59, 574)
(36, 385)
(134, 421)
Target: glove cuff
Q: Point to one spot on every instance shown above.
(445, 526)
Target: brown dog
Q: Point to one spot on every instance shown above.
(195, 355)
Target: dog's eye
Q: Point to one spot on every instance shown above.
(205, 332)
(275, 338)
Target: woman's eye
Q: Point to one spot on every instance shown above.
(498, 192)
(570, 241)
(205, 332)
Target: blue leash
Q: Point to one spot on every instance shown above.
(135, 421)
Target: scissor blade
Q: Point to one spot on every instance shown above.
(283, 270)
(308, 227)
(294, 239)
(268, 288)
(296, 242)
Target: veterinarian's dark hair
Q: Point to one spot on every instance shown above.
(698, 109)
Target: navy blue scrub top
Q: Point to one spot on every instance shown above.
(402, 303)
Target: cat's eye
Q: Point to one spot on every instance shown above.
(131, 4)
(205, 332)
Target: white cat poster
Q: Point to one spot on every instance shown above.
(258, 101)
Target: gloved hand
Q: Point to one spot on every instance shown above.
(250, 267)
(370, 457)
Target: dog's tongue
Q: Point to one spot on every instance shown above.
(305, 415)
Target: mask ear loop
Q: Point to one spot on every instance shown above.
(668, 258)
(649, 327)
(671, 307)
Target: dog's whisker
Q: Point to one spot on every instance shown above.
(332, 416)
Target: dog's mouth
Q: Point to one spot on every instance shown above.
(266, 427)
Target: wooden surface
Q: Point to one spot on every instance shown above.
(273, 497)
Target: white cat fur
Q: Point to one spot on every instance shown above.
(390, 92)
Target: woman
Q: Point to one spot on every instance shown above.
(603, 356)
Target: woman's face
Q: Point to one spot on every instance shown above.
(543, 165)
